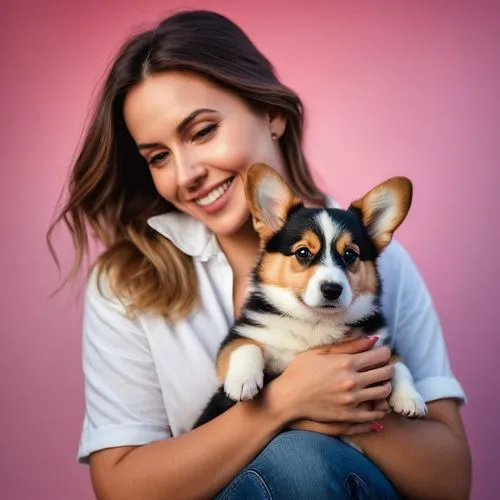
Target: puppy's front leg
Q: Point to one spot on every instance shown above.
(404, 398)
(241, 367)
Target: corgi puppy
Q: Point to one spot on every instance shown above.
(314, 281)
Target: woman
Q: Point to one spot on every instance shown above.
(185, 109)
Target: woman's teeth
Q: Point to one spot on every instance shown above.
(214, 195)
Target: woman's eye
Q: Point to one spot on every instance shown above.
(205, 131)
(350, 256)
(304, 254)
(154, 160)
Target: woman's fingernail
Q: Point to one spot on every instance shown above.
(376, 427)
(373, 337)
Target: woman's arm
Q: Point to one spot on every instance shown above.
(201, 462)
(126, 433)
(194, 465)
(426, 458)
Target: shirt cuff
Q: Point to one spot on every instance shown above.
(433, 388)
(118, 435)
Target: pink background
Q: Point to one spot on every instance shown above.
(390, 88)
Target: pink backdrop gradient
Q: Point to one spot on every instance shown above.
(406, 88)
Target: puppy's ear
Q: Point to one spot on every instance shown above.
(384, 208)
(269, 198)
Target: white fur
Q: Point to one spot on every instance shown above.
(361, 307)
(404, 398)
(383, 337)
(327, 271)
(284, 338)
(288, 302)
(330, 231)
(313, 296)
(245, 374)
(270, 195)
(300, 329)
(387, 204)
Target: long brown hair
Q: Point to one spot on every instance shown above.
(112, 193)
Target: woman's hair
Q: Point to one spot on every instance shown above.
(111, 191)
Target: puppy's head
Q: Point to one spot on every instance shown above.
(323, 260)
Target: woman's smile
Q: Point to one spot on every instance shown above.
(214, 199)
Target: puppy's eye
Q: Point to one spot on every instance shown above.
(350, 256)
(304, 255)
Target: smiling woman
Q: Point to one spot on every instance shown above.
(198, 139)
(186, 108)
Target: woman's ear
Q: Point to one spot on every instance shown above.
(277, 123)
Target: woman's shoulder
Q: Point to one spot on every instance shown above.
(395, 261)
(100, 298)
(398, 270)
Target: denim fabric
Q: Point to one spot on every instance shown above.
(303, 465)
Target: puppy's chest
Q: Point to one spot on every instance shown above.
(282, 338)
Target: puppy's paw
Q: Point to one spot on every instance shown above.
(407, 402)
(241, 385)
(245, 376)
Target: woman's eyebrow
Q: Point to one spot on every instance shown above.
(149, 145)
(181, 128)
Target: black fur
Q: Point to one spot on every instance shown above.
(219, 403)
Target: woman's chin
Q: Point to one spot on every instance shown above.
(229, 228)
(231, 224)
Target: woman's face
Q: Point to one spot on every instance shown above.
(197, 140)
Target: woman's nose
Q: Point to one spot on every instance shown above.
(190, 174)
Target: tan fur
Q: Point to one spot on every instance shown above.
(343, 241)
(394, 359)
(363, 278)
(309, 240)
(278, 269)
(225, 354)
(401, 188)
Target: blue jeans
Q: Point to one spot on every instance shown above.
(302, 465)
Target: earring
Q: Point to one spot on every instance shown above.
(274, 136)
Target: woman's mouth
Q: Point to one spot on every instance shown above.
(216, 199)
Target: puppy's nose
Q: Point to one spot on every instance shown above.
(331, 291)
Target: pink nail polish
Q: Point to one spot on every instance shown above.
(376, 427)
(373, 337)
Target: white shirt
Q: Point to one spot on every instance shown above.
(147, 379)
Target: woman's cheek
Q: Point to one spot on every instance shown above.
(164, 184)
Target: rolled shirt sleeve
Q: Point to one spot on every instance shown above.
(123, 400)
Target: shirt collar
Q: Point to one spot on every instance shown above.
(190, 235)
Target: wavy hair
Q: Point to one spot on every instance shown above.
(112, 194)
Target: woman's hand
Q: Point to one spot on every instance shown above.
(330, 388)
(338, 429)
